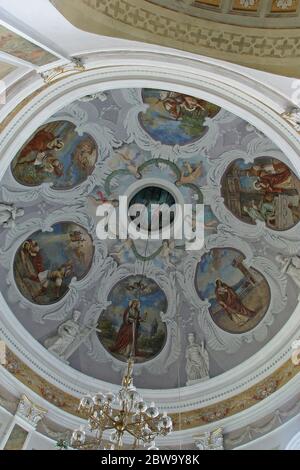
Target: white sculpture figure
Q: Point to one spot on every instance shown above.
(197, 361)
(67, 332)
(8, 215)
(293, 117)
(291, 266)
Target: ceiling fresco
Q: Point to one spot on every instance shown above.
(56, 154)
(244, 7)
(79, 296)
(46, 262)
(16, 45)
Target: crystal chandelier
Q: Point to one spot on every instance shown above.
(123, 413)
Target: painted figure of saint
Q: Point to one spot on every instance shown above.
(232, 304)
(272, 178)
(35, 278)
(30, 268)
(197, 361)
(85, 155)
(126, 341)
(41, 142)
(176, 103)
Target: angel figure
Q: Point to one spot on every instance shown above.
(124, 247)
(99, 198)
(130, 163)
(168, 251)
(138, 287)
(189, 174)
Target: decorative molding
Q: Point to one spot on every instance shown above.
(75, 66)
(32, 413)
(210, 440)
(292, 116)
(261, 45)
(2, 353)
(187, 419)
(255, 46)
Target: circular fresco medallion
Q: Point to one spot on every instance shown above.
(239, 297)
(265, 190)
(173, 118)
(132, 323)
(46, 262)
(55, 154)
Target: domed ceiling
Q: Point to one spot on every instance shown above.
(75, 293)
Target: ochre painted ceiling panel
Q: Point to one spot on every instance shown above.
(262, 35)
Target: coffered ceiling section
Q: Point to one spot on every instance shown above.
(254, 33)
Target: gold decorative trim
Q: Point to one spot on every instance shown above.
(292, 116)
(61, 72)
(181, 421)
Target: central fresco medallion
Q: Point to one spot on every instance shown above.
(95, 302)
(132, 325)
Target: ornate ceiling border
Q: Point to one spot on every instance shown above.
(191, 78)
(183, 420)
(270, 49)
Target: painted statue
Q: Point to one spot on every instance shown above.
(197, 361)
